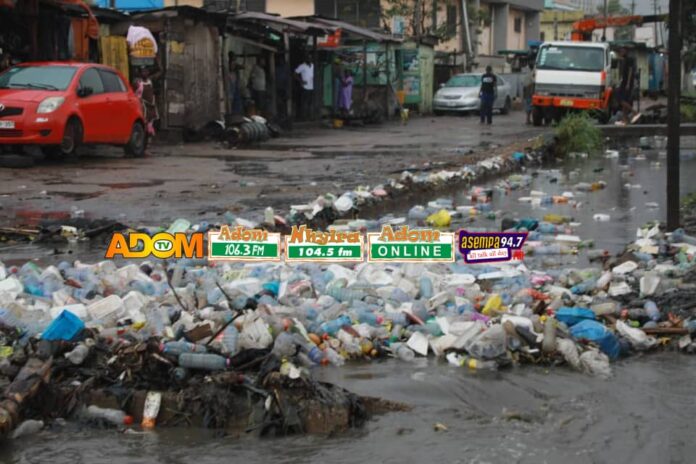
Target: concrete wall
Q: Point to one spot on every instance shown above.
(287, 8)
(196, 3)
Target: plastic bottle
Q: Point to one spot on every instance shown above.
(652, 311)
(557, 219)
(28, 427)
(584, 287)
(203, 361)
(403, 352)
(472, 362)
(112, 416)
(548, 346)
(284, 345)
(596, 254)
(333, 357)
(345, 294)
(230, 337)
(8, 319)
(269, 216)
(426, 287)
(310, 349)
(370, 318)
(178, 347)
(331, 327)
(607, 308)
(178, 226)
(78, 354)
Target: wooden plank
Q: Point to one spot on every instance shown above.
(644, 129)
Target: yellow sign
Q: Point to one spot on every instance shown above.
(143, 48)
(162, 245)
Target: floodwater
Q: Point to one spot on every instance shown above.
(528, 414)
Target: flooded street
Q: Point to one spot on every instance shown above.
(527, 414)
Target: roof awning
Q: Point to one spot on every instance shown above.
(350, 29)
(291, 25)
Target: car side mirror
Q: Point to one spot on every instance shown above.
(83, 92)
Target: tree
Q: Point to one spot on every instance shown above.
(615, 8)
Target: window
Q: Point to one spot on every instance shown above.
(573, 58)
(363, 13)
(37, 77)
(451, 20)
(90, 78)
(518, 24)
(112, 83)
(542, 36)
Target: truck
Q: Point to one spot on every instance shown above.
(571, 76)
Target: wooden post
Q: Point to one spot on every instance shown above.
(291, 76)
(673, 115)
(387, 87)
(315, 100)
(364, 70)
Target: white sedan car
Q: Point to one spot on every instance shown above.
(461, 95)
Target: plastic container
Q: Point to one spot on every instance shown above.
(112, 416)
(333, 326)
(78, 354)
(548, 345)
(66, 326)
(107, 310)
(471, 362)
(203, 361)
(178, 347)
(230, 340)
(651, 310)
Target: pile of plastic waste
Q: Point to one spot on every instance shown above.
(200, 317)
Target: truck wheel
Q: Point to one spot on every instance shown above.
(537, 116)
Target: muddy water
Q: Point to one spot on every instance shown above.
(526, 415)
(642, 414)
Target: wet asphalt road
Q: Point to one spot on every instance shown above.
(526, 415)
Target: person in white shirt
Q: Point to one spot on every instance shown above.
(257, 84)
(305, 75)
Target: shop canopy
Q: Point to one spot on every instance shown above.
(351, 30)
(288, 25)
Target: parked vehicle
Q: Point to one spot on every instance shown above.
(571, 76)
(60, 106)
(461, 94)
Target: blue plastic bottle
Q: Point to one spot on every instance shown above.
(331, 327)
(426, 287)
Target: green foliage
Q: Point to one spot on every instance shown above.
(688, 112)
(689, 201)
(577, 132)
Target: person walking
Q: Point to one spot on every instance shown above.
(487, 94)
(528, 91)
(304, 73)
(626, 88)
(145, 91)
(234, 92)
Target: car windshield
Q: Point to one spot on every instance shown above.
(571, 58)
(470, 80)
(37, 77)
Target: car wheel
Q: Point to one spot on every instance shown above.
(72, 139)
(537, 116)
(138, 139)
(506, 107)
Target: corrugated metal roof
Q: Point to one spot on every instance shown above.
(292, 24)
(353, 30)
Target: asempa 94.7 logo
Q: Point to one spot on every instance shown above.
(491, 247)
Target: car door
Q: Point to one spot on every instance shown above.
(93, 106)
(120, 108)
(501, 94)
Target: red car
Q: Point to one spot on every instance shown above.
(60, 106)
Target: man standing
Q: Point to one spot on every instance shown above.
(305, 75)
(487, 94)
(528, 91)
(624, 93)
(257, 82)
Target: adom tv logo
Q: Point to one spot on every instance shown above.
(162, 245)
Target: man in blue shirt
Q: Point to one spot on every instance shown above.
(487, 94)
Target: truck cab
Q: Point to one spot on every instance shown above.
(571, 76)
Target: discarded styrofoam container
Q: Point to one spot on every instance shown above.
(619, 288)
(79, 310)
(418, 343)
(649, 283)
(625, 268)
(107, 310)
(11, 286)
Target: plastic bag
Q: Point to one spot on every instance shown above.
(489, 344)
(569, 350)
(596, 332)
(595, 363)
(572, 316)
(638, 339)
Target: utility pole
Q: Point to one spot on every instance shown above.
(655, 23)
(673, 116)
(606, 15)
